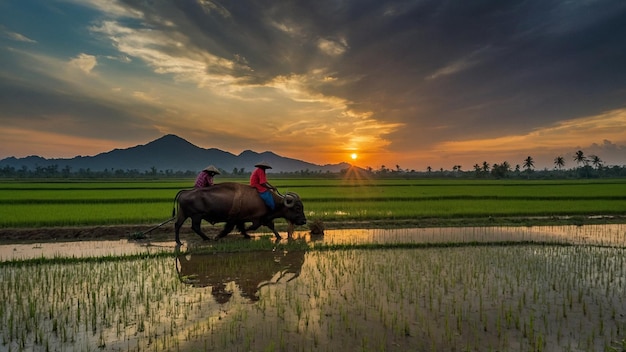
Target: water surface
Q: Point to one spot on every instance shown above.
(604, 235)
(508, 298)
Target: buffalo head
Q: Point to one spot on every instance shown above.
(294, 210)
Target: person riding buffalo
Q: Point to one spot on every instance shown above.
(258, 180)
(205, 177)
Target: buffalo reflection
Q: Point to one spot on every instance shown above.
(249, 270)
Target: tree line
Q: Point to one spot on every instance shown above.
(54, 171)
(586, 167)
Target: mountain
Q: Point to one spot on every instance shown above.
(170, 152)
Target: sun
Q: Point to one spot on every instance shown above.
(354, 156)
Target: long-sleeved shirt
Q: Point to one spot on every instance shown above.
(257, 179)
(204, 179)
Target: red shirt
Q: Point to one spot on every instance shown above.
(204, 179)
(257, 179)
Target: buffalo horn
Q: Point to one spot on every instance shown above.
(289, 200)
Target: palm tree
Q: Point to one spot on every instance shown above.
(500, 170)
(485, 166)
(596, 161)
(429, 169)
(496, 171)
(559, 162)
(580, 158)
(529, 163)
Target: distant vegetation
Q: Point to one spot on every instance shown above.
(484, 171)
(587, 169)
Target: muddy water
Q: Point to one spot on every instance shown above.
(606, 235)
(80, 249)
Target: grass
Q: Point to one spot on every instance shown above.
(36, 204)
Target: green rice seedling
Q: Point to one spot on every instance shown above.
(87, 316)
(408, 296)
(351, 318)
(28, 204)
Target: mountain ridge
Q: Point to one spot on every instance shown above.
(170, 152)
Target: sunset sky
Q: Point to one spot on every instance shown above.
(410, 83)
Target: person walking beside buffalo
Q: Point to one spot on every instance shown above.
(258, 180)
(205, 177)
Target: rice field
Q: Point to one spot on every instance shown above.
(36, 204)
(546, 289)
(524, 288)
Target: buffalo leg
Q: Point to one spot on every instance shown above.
(269, 224)
(241, 226)
(255, 225)
(177, 230)
(179, 223)
(195, 225)
(226, 230)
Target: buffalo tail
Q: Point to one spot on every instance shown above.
(176, 199)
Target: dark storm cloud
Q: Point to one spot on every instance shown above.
(242, 32)
(471, 66)
(501, 66)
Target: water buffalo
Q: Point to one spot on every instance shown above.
(235, 204)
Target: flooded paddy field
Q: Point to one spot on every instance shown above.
(456, 289)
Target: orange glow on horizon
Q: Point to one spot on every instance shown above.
(52, 145)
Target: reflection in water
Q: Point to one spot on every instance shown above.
(249, 271)
(603, 235)
(81, 249)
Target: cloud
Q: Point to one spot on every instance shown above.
(121, 58)
(610, 153)
(84, 62)
(609, 146)
(408, 79)
(212, 7)
(113, 8)
(331, 47)
(17, 37)
(145, 97)
(175, 53)
(459, 65)
(547, 142)
(570, 132)
(20, 142)
(68, 101)
(168, 53)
